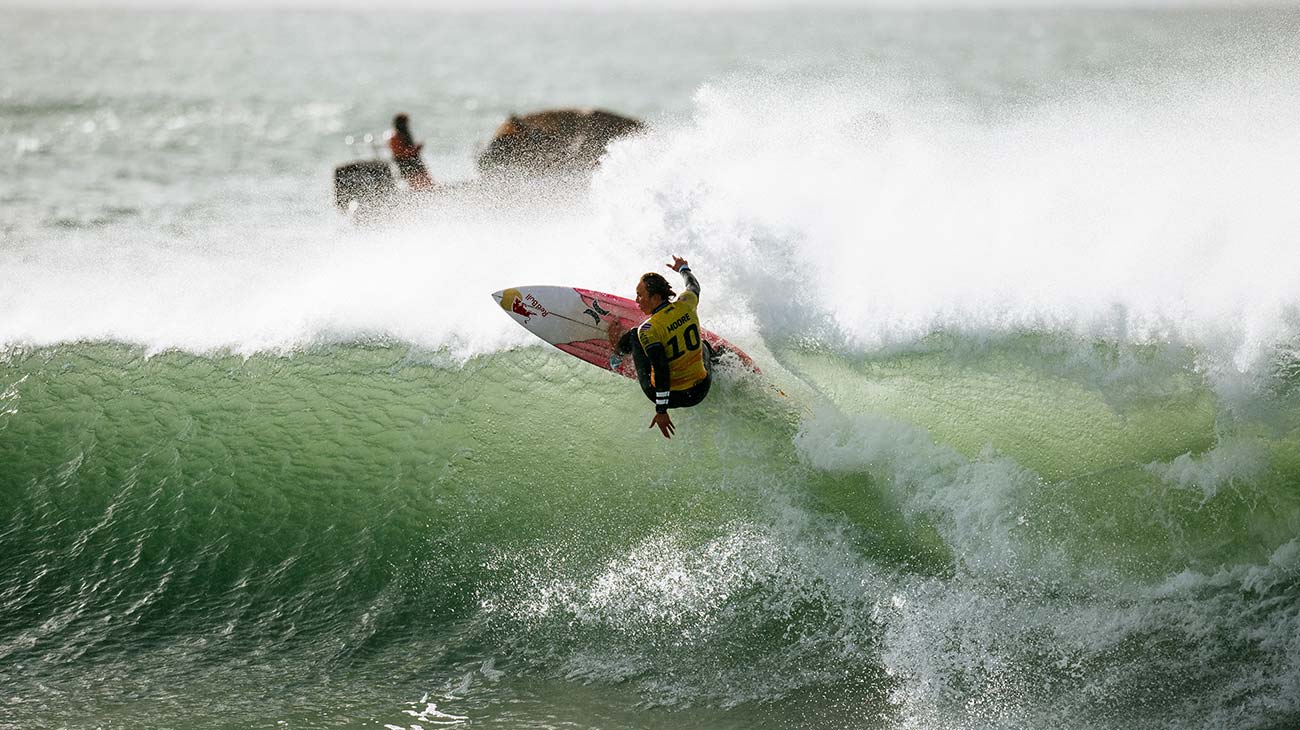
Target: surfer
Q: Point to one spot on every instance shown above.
(406, 153)
(673, 363)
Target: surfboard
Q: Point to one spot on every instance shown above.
(577, 322)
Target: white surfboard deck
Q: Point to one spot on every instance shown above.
(577, 321)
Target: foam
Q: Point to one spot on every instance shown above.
(1015, 638)
(847, 211)
(1139, 219)
(1232, 462)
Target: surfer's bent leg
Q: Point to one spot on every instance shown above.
(678, 398)
(693, 395)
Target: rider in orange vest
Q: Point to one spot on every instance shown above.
(406, 153)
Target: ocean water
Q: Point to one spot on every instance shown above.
(1025, 452)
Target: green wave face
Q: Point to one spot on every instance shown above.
(1024, 533)
(1125, 457)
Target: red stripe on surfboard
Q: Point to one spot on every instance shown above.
(597, 353)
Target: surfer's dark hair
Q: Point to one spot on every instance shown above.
(656, 284)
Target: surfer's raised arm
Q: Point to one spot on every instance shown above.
(680, 266)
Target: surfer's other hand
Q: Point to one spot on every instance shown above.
(614, 332)
(665, 424)
(678, 263)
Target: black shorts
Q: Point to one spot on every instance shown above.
(677, 398)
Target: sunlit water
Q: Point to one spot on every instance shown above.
(1024, 453)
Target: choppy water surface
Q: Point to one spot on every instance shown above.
(1025, 452)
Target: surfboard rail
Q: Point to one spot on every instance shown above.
(577, 321)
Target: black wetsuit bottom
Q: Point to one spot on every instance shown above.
(677, 398)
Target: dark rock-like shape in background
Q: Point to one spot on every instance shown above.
(552, 145)
(367, 183)
(553, 141)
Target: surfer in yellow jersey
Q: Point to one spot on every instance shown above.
(673, 363)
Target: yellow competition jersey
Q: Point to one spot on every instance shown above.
(678, 329)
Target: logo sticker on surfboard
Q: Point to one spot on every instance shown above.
(595, 311)
(511, 301)
(524, 305)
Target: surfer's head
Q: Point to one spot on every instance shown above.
(402, 125)
(652, 291)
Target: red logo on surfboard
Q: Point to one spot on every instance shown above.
(518, 308)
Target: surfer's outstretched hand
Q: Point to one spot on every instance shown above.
(614, 332)
(665, 424)
(678, 263)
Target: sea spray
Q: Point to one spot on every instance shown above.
(1024, 454)
(1124, 219)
